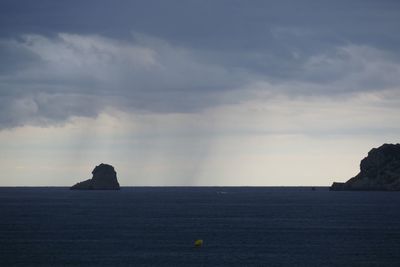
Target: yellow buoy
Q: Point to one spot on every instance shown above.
(198, 243)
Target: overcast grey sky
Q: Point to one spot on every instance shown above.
(196, 92)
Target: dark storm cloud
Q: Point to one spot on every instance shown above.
(226, 24)
(76, 58)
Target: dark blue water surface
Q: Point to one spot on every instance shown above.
(153, 226)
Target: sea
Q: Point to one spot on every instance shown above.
(158, 226)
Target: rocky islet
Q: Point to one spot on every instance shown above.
(104, 178)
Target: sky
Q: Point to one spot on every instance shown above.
(196, 93)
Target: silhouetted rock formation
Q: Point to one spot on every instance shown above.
(380, 170)
(104, 178)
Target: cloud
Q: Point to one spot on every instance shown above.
(52, 79)
(76, 75)
(353, 68)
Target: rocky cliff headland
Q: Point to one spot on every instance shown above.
(380, 170)
(104, 178)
